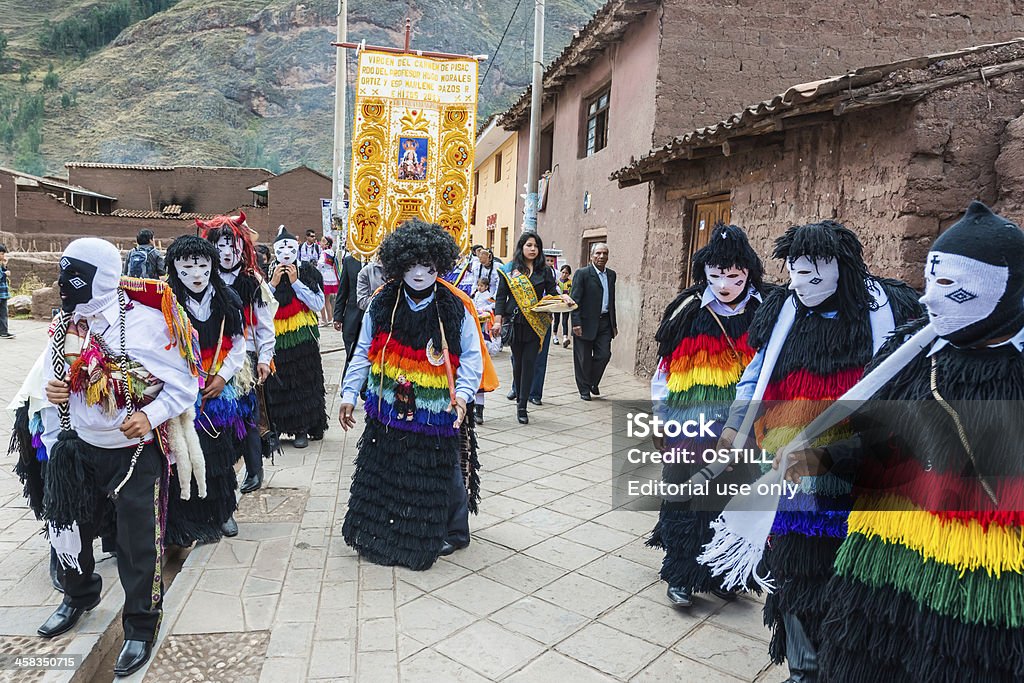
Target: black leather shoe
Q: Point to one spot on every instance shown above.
(229, 528)
(536, 402)
(584, 397)
(595, 391)
(252, 482)
(679, 596)
(301, 441)
(63, 619)
(523, 418)
(479, 415)
(728, 596)
(134, 655)
(512, 396)
(446, 549)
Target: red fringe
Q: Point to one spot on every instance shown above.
(400, 350)
(802, 384)
(291, 309)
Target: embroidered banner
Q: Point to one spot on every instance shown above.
(412, 146)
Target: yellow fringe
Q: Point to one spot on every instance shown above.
(705, 376)
(963, 544)
(417, 377)
(296, 322)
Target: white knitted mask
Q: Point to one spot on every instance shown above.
(813, 280)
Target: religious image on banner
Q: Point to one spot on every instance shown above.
(412, 146)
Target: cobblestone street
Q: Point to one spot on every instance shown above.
(554, 586)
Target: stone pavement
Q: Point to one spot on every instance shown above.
(555, 584)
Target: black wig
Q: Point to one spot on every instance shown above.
(828, 240)
(728, 248)
(226, 304)
(417, 243)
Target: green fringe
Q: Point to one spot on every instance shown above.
(290, 340)
(702, 393)
(975, 597)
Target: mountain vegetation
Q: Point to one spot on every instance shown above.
(225, 82)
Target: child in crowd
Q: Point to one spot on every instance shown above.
(483, 299)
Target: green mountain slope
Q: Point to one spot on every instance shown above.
(244, 82)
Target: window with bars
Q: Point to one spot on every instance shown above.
(596, 130)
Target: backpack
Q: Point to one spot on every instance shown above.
(138, 263)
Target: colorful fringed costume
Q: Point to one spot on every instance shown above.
(823, 356)
(398, 508)
(700, 366)
(930, 557)
(295, 396)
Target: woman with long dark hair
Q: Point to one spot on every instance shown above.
(524, 281)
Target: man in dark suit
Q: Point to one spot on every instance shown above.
(593, 322)
(348, 317)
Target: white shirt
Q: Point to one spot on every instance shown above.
(148, 344)
(1017, 340)
(478, 270)
(235, 359)
(602, 275)
(261, 335)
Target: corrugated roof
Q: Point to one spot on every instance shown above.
(607, 26)
(180, 216)
(819, 101)
(55, 184)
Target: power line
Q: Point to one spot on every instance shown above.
(494, 57)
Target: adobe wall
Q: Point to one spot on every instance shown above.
(896, 175)
(294, 201)
(722, 55)
(620, 214)
(197, 190)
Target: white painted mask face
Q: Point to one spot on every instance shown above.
(286, 251)
(420, 277)
(726, 283)
(194, 273)
(230, 253)
(958, 291)
(813, 281)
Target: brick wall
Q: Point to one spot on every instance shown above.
(722, 55)
(896, 175)
(197, 190)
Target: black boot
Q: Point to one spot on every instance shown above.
(479, 414)
(252, 482)
(523, 417)
(301, 441)
(134, 655)
(54, 577)
(230, 527)
(680, 596)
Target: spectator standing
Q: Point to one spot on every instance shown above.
(328, 267)
(593, 323)
(371, 278)
(144, 260)
(348, 315)
(523, 282)
(485, 267)
(564, 283)
(263, 260)
(5, 294)
(309, 251)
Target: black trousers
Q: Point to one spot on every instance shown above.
(563, 320)
(253, 453)
(590, 357)
(525, 349)
(458, 506)
(139, 547)
(3, 317)
(350, 339)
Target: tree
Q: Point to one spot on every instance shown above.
(50, 81)
(3, 46)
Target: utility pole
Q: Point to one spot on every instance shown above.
(341, 77)
(536, 97)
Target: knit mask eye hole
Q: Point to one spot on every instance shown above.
(944, 282)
